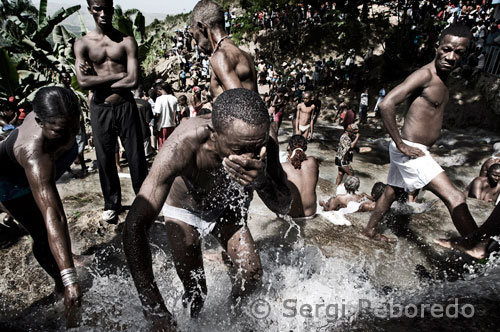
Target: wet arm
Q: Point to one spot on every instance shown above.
(413, 83)
(144, 210)
(274, 191)
(86, 81)
(131, 80)
(40, 172)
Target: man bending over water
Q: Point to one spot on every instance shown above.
(207, 176)
(412, 166)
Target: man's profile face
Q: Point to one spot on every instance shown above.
(102, 11)
(450, 52)
(242, 139)
(200, 38)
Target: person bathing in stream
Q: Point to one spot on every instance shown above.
(203, 182)
(352, 201)
(302, 173)
(32, 158)
(412, 166)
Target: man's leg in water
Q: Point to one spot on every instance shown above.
(246, 268)
(27, 213)
(185, 245)
(382, 205)
(454, 200)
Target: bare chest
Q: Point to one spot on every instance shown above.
(106, 50)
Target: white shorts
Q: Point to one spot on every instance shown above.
(304, 128)
(408, 173)
(189, 217)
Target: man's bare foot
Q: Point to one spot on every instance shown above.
(477, 251)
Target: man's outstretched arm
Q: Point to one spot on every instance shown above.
(144, 210)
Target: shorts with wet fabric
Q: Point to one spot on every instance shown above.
(411, 173)
(205, 221)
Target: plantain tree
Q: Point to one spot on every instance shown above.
(24, 37)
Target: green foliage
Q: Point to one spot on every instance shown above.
(25, 40)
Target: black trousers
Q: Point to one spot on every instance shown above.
(108, 122)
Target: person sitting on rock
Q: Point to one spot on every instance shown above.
(486, 188)
(494, 159)
(302, 172)
(352, 201)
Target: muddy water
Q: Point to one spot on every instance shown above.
(320, 277)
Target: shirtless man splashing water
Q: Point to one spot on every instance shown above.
(203, 182)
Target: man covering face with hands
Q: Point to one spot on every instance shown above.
(203, 183)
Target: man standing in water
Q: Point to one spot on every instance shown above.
(113, 111)
(231, 67)
(412, 166)
(203, 180)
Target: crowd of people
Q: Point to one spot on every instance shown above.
(214, 146)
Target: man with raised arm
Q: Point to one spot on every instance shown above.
(203, 181)
(106, 63)
(231, 67)
(412, 166)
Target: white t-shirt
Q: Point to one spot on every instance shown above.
(166, 107)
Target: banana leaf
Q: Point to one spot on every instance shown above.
(9, 78)
(42, 12)
(45, 29)
(83, 28)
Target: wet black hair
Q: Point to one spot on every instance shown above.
(377, 190)
(456, 29)
(297, 142)
(55, 101)
(208, 12)
(239, 104)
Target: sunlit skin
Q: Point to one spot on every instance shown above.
(302, 183)
(486, 188)
(231, 67)
(38, 145)
(196, 171)
(305, 112)
(106, 60)
(427, 94)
